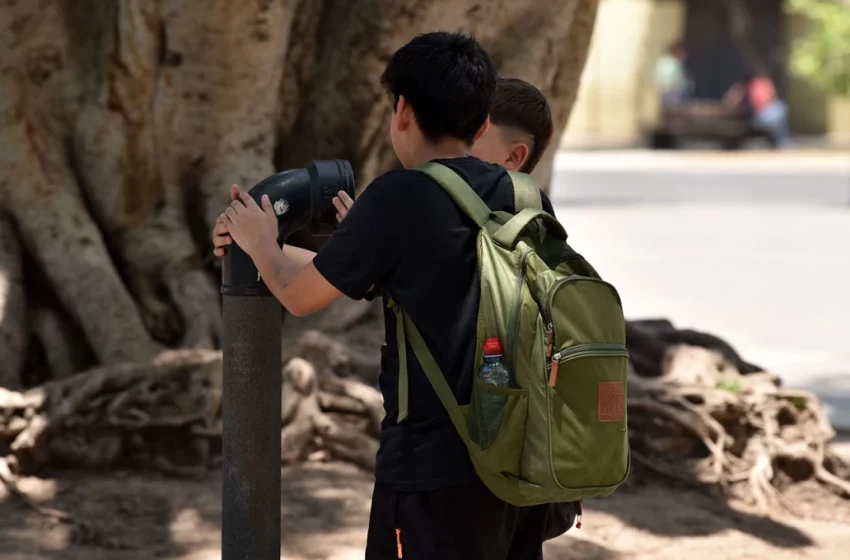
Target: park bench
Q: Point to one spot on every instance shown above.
(704, 120)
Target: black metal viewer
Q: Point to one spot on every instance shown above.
(302, 199)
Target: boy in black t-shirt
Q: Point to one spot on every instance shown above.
(407, 236)
(521, 127)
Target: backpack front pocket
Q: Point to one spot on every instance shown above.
(587, 412)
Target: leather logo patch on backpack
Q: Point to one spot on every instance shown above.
(611, 401)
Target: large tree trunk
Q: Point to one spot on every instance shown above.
(13, 309)
(124, 122)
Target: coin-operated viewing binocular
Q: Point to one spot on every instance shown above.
(302, 201)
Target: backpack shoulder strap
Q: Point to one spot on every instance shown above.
(459, 190)
(526, 193)
(407, 333)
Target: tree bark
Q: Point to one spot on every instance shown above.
(115, 148)
(545, 43)
(13, 307)
(56, 228)
(219, 101)
(563, 89)
(123, 123)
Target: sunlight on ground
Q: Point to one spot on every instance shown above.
(206, 554)
(38, 489)
(189, 528)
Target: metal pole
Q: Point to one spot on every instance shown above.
(250, 527)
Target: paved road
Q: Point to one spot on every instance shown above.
(769, 271)
(820, 178)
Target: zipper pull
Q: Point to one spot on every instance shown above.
(398, 542)
(550, 335)
(553, 371)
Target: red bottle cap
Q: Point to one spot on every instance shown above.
(492, 347)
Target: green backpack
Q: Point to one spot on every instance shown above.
(562, 434)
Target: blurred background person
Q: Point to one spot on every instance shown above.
(671, 77)
(756, 97)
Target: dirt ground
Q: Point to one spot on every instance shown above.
(132, 516)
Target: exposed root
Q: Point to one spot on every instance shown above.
(10, 481)
(346, 314)
(748, 430)
(310, 426)
(138, 396)
(701, 422)
(328, 353)
(64, 347)
(826, 477)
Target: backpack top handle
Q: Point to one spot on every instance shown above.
(508, 235)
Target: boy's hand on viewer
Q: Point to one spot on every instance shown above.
(250, 226)
(221, 236)
(342, 202)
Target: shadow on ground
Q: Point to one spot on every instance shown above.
(129, 516)
(325, 515)
(659, 509)
(120, 517)
(574, 549)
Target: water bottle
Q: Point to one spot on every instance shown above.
(491, 405)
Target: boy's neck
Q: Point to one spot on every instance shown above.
(448, 148)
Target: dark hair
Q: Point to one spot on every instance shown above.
(520, 105)
(448, 79)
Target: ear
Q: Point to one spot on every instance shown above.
(517, 157)
(404, 113)
(483, 130)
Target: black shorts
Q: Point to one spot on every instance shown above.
(461, 523)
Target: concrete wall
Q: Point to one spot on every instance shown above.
(617, 98)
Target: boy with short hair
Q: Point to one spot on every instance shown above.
(406, 236)
(521, 127)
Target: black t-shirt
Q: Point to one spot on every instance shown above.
(406, 236)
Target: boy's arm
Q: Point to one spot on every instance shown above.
(299, 287)
(289, 274)
(298, 255)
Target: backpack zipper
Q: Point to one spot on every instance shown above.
(598, 349)
(514, 324)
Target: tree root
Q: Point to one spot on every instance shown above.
(10, 481)
(328, 353)
(750, 433)
(136, 396)
(310, 426)
(65, 350)
(110, 413)
(699, 422)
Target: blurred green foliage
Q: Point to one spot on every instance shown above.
(822, 56)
